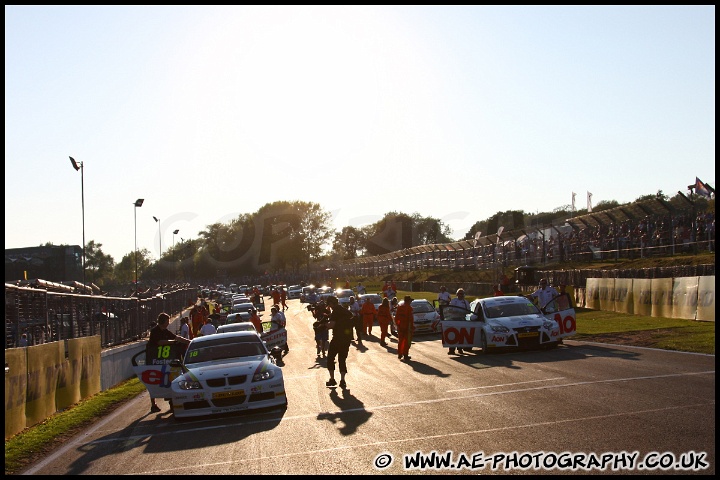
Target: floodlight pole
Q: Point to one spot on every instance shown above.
(138, 203)
(175, 232)
(81, 167)
(157, 220)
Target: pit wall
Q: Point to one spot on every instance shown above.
(44, 379)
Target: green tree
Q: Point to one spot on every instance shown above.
(280, 235)
(125, 270)
(212, 240)
(659, 195)
(479, 226)
(390, 233)
(215, 243)
(293, 233)
(98, 266)
(314, 229)
(349, 242)
(428, 231)
(396, 231)
(605, 205)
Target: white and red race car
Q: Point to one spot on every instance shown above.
(506, 322)
(219, 373)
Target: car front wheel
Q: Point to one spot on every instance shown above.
(552, 345)
(483, 342)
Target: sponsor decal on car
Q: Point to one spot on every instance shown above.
(233, 393)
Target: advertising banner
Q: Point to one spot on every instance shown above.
(642, 296)
(592, 296)
(706, 299)
(606, 293)
(623, 296)
(89, 349)
(662, 296)
(15, 390)
(685, 297)
(43, 363)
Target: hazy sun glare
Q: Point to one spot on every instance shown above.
(304, 86)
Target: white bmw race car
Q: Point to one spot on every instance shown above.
(221, 373)
(505, 322)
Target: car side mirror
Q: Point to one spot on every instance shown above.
(178, 364)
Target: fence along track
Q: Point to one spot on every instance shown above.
(53, 316)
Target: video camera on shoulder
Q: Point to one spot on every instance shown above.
(321, 323)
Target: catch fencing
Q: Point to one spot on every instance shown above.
(46, 316)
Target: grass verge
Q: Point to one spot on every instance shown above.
(657, 332)
(35, 442)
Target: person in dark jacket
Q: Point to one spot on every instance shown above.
(158, 350)
(341, 323)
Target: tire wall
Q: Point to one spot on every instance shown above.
(690, 298)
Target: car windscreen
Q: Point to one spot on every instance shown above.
(235, 328)
(233, 348)
(511, 310)
(423, 308)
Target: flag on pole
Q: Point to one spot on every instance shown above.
(478, 234)
(589, 202)
(701, 188)
(573, 201)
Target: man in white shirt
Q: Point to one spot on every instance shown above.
(443, 296)
(185, 328)
(544, 295)
(278, 321)
(278, 317)
(459, 301)
(459, 313)
(208, 328)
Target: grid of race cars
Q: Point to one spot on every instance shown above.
(239, 368)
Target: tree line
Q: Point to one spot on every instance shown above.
(288, 237)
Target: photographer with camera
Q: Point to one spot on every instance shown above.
(321, 314)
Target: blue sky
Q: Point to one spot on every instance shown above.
(454, 113)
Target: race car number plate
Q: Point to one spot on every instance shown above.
(234, 393)
(528, 334)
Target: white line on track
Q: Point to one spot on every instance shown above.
(418, 402)
(384, 443)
